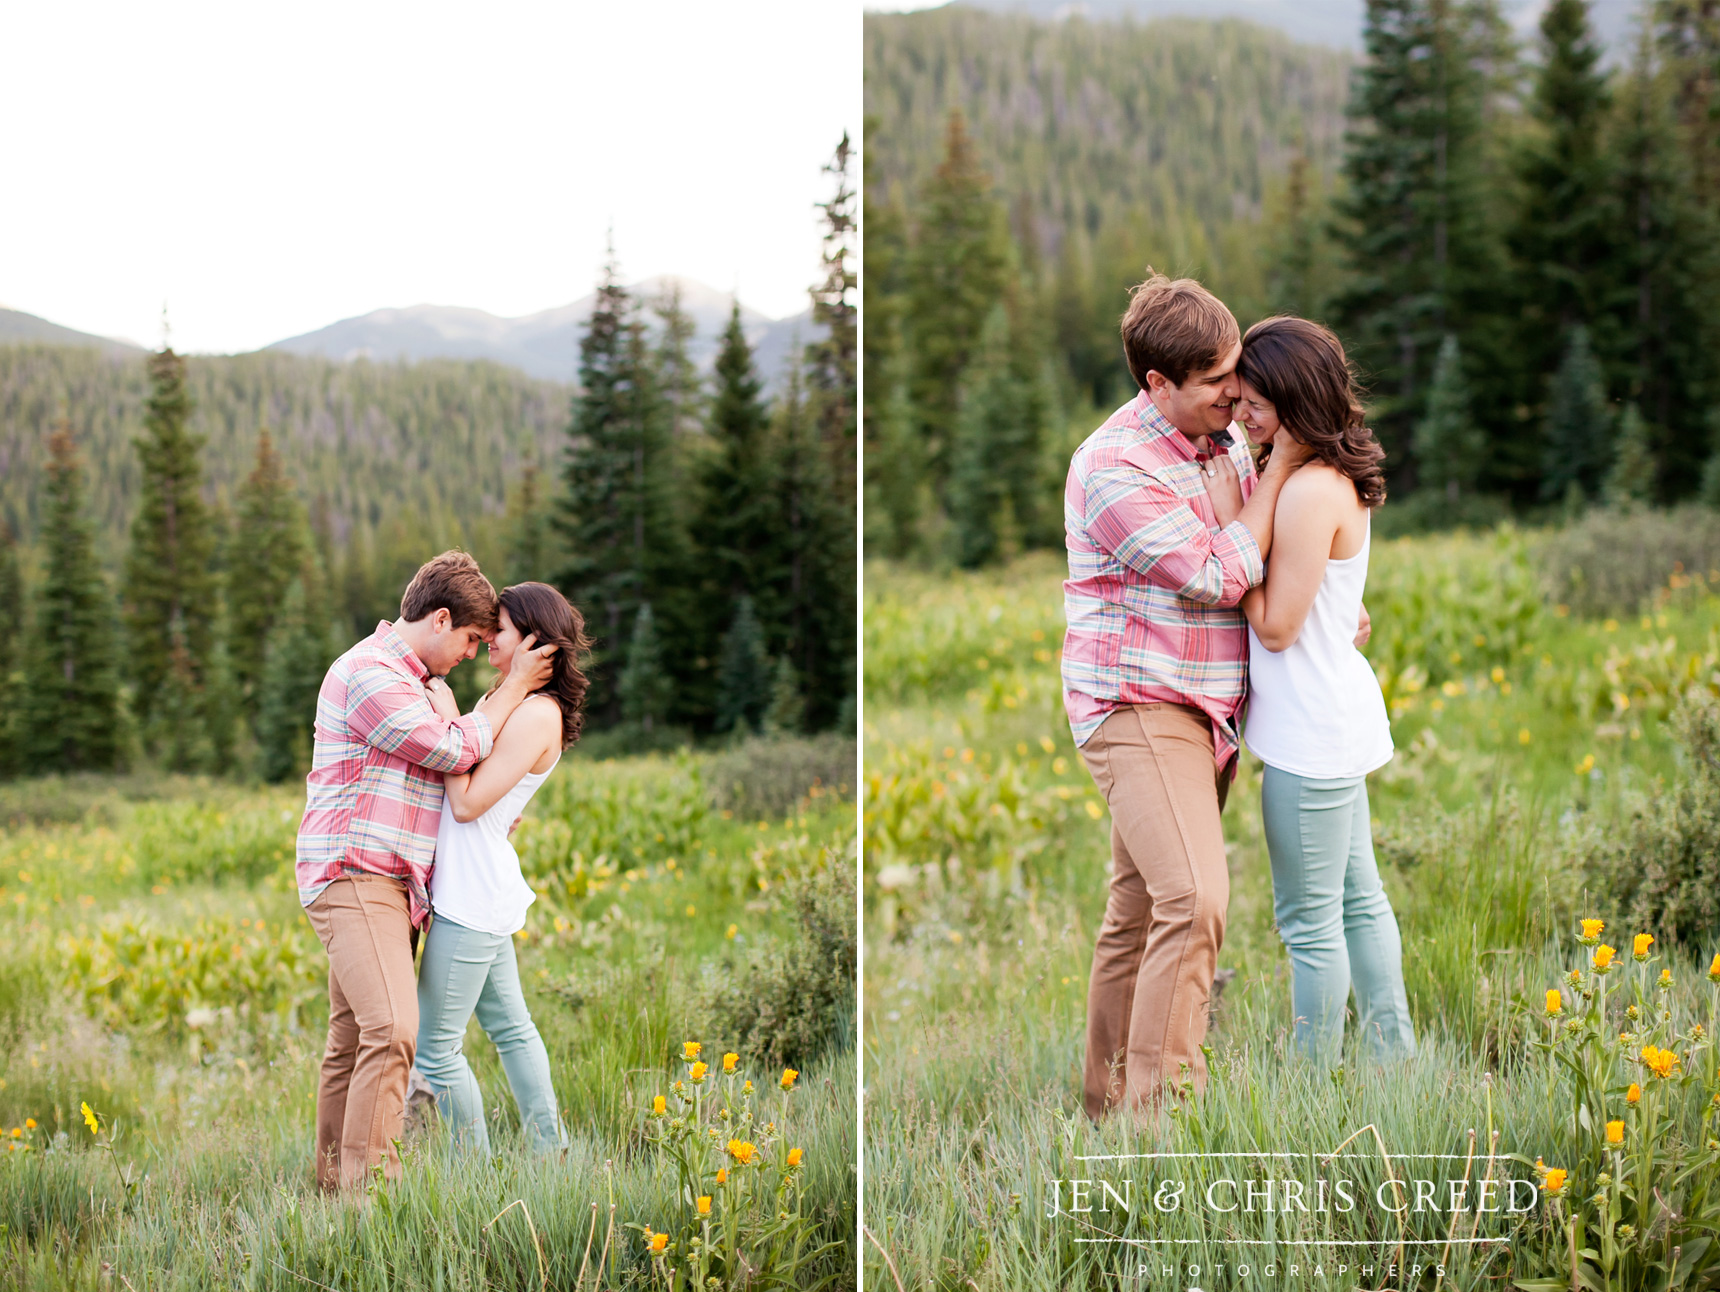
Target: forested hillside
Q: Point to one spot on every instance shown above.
(1517, 240)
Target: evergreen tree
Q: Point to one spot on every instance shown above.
(530, 536)
(619, 516)
(958, 265)
(1448, 444)
(1564, 237)
(1416, 212)
(1579, 423)
(295, 658)
(995, 485)
(72, 693)
(831, 374)
(807, 568)
(893, 478)
(785, 714)
(1302, 269)
(268, 551)
(679, 384)
(1630, 482)
(735, 523)
(12, 605)
(646, 688)
(172, 595)
(745, 676)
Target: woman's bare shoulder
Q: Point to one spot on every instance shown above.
(1321, 484)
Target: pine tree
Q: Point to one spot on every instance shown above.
(995, 485)
(619, 517)
(1578, 435)
(785, 714)
(72, 694)
(830, 362)
(295, 659)
(735, 521)
(1448, 444)
(268, 551)
(1416, 223)
(679, 384)
(12, 605)
(1564, 239)
(172, 595)
(646, 689)
(745, 675)
(1631, 480)
(893, 476)
(1302, 270)
(958, 265)
(806, 574)
(530, 554)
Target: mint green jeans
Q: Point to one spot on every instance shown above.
(1333, 915)
(463, 972)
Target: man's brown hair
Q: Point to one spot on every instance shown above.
(1175, 327)
(452, 582)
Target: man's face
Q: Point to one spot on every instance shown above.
(450, 645)
(1201, 405)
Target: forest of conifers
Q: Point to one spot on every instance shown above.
(1516, 241)
(186, 543)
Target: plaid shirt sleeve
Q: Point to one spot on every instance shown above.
(1154, 531)
(387, 712)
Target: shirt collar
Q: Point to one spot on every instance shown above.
(392, 643)
(1155, 426)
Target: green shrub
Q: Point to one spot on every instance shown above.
(1659, 866)
(1618, 562)
(789, 1001)
(766, 778)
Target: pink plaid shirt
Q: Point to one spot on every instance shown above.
(1151, 598)
(374, 795)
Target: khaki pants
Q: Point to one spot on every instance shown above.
(364, 923)
(1164, 920)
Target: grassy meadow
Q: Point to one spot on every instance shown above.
(1526, 729)
(157, 968)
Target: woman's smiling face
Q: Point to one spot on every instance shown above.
(1257, 414)
(504, 644)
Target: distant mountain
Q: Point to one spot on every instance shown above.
(543, 345)
(1337, 23)
(17, 327)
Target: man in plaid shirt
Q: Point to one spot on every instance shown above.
(1155, 668)
(387, 729)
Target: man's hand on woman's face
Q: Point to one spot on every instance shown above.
(1287, 453)
(533, 664)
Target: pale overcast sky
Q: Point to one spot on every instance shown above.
(265, 169)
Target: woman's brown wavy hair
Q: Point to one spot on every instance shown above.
(1300, 366)
(540, 609)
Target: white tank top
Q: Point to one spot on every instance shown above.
(476, 880)
(1315, 708)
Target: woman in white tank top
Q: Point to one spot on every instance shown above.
(478, 896)
(1316, 717)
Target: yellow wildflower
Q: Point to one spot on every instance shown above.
(1615, 1132)
(742, 1151)
(90, 1119)
(1633, 1096)
(788, 1076)
(722, 1175)
(1666, 977)
(733, 930)
(1555, 1003)
(1714, 969)
(729, 1061)
(657, 1241)
(794, 1157)
(29, 1123)
(698, 1070)
(1592, 931)
(659, 1106)
(1555, 1181)
(1640, 944)
(17, 1132)
(1660, 1062)
(690, 1049)
(747, 1089)
(705, 1203)
(1604, 957)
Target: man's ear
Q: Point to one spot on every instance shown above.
(441, 620)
